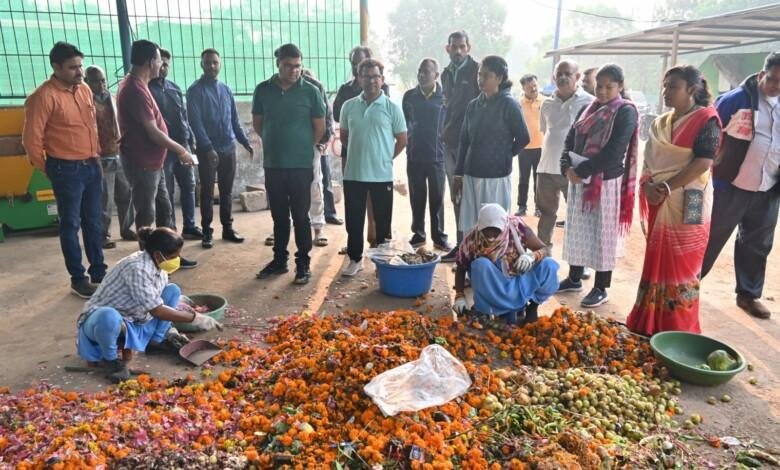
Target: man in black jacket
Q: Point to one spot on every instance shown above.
(459, 85)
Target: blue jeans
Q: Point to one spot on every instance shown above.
(185, 176)
(99, 334)
(78, 189)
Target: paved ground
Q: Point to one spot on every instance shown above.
(37, 325)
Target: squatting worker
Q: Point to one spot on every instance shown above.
(61, 139)
(374, 130)
(214, 121)
(459, 85)
(134, 306)
(508, 267)
(288, 113)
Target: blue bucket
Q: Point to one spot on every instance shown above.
(411, 280)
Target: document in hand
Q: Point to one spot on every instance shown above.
(576, 159)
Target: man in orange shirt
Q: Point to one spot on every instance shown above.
(61, 139)
(528, 158)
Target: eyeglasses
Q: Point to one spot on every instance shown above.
(371, 78)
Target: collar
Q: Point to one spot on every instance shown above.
(275, 82)
(61, 86)
(771, 101)
(208, 80)
(539, 98)
(435, 91)
(101, 98)
(379, 100)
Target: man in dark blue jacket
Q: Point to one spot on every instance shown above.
(746, 182)
(170, 100)
(424, 115)
(214, 121)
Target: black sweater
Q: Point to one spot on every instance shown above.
(610, 160)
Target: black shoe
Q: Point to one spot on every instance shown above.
(232, 236)
(109, 244)
(83, 288)
(272, 269)
(442, 246)
(567, 285)
(208, 238)
(302, 275)
(560, 223)
(187, 263)
(595, 298)
(417, 241)
(129, 236)
(194, 233)
(537, 213)
(521, 212)
(450, 257)
(333, 220)
(531, 313)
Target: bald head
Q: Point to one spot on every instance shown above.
(567, 75)
(96, 79)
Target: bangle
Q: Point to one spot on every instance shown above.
(668, 189)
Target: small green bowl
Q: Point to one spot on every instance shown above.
(216, 304)
(682, 352)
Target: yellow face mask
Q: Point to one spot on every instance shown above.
(170, 266)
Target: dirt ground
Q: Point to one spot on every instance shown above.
(37, 325)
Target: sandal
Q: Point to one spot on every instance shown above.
(321, 241)
(269, 240)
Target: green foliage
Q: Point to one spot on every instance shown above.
(420, 29)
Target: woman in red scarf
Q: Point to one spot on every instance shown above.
(676, 203)
(599, 159)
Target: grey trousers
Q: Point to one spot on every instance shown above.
(116, 194)
(450, 162)
(150, 196)
(548, 196)
(754, 214)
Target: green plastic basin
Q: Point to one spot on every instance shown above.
(216, 304)
(682, 352)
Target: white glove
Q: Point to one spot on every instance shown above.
(176, 339)
(205, 323)
(459, 306)
(526, 262)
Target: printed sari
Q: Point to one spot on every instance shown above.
(668, 296)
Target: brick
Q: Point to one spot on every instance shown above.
(253, 201)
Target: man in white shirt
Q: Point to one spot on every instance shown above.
(746, 181)
(557, 116)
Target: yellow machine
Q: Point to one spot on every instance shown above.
(26, 197)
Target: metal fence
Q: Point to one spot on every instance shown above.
(245, 32)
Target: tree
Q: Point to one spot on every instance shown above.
(420, 29)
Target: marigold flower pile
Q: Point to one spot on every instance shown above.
(299, 402)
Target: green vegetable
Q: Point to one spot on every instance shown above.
(725, 398)
(711, 400)
(720, 360)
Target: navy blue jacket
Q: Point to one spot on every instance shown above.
(170, 100)
(213, 116)
(424, 120)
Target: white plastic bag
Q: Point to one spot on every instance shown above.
(434, 379)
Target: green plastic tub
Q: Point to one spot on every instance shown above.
(216, 304)
(682, 352)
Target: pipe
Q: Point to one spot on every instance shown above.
(123, 20)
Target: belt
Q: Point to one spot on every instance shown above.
(86, 161)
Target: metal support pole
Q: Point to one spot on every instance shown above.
(123, 19)
(363, 22)
(675, 46)
(557, 37)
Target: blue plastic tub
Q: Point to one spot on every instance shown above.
(405, 280)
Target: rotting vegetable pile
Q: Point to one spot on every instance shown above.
(572, 390)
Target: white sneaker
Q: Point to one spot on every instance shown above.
(353, 268)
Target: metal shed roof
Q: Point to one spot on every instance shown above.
(741, 28)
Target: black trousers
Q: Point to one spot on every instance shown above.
(603, 278)
(223, 170)
(426, 184)
(381, 195)
(289, 196)
(327, 186)
(527, 161)
(754, 214)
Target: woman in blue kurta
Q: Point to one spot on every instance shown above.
(508, 267)
(134, 305)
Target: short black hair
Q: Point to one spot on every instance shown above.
(165, 53)
(772, 60)
(63, 51)
(142, 52)
(429, 60)
(528, 78)
(498, 66)
(364, 50)
(287, 51)
(208, 51)
(460, 34)
(161, 239)
(589, 70)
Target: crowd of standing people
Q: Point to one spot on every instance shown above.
(709, 167)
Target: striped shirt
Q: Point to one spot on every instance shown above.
(133, 287)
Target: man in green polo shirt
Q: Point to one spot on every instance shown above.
(373, 129)
(288, 114)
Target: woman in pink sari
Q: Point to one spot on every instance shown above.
(676, 204)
